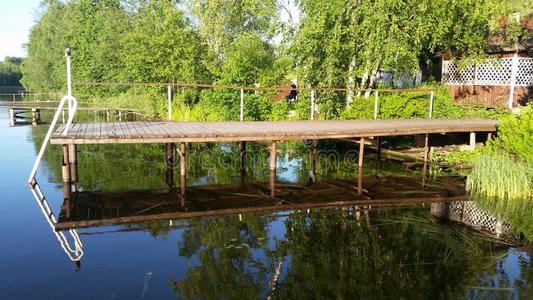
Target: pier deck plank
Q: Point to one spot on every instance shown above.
(169, 131)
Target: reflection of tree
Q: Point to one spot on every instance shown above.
(233, 259)
(375, 256)
(333, 254)
(525, 283)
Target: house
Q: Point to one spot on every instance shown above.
(505, 79)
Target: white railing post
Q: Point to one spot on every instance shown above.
(242, 106)
(514, 71)
(169, 102)
(312, 104)
(69, 75)
(376, 95)
(51, 130)
(431, 104)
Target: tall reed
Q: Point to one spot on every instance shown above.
(501, 177)
(503, 184)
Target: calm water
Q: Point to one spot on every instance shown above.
(349, 252)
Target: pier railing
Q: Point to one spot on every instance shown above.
(312, 91)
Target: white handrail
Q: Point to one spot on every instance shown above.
(75, 253)
(71, 112)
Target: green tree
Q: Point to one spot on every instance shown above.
(10, 73)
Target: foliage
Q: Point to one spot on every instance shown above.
(10, 73)
(345, 43)
(220, 22)
(515, 135)
(113, 40)
(410, 105)
(337, 44)
(457, 158)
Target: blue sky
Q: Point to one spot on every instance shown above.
(16, 19)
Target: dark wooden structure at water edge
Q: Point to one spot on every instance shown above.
(30, 112)
(176, 134)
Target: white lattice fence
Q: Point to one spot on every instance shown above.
(469, 214)
(494, 72)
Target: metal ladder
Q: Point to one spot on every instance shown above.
(74, 253)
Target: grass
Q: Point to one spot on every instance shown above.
(503, 185)
(502, 177)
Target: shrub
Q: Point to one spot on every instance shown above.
(515, 135)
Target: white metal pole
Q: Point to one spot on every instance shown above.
(69, 78)
(376, 95)
(312, 104)
(514, 71)
(242, 106)
(169, 102)
(431, 104)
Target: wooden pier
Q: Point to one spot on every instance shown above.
(31, 112)
(265, 133)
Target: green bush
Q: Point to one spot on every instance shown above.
(515, 135)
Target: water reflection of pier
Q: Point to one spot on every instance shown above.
(88, 209)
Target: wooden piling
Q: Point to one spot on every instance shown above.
(183, 159)
(273, 153)
(73, 165)
(361, 152)
(314, 154)
(34, 116)
(272, 183)
(426, 149)
(360, 180)
(242, 155)
(65, 172)
(183, 187)
(378, 149)
(170, 161)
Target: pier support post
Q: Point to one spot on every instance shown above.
(426, 149)
(360, 180)
(273, 150)
(242, 155)
(183, 167)
(472, 140)
(242, 158)
(272, 168)
(65, 172)
(361, 152)
(314, 154)
(35, 116)
(169, 159)
(272, 183)
(73, 165)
